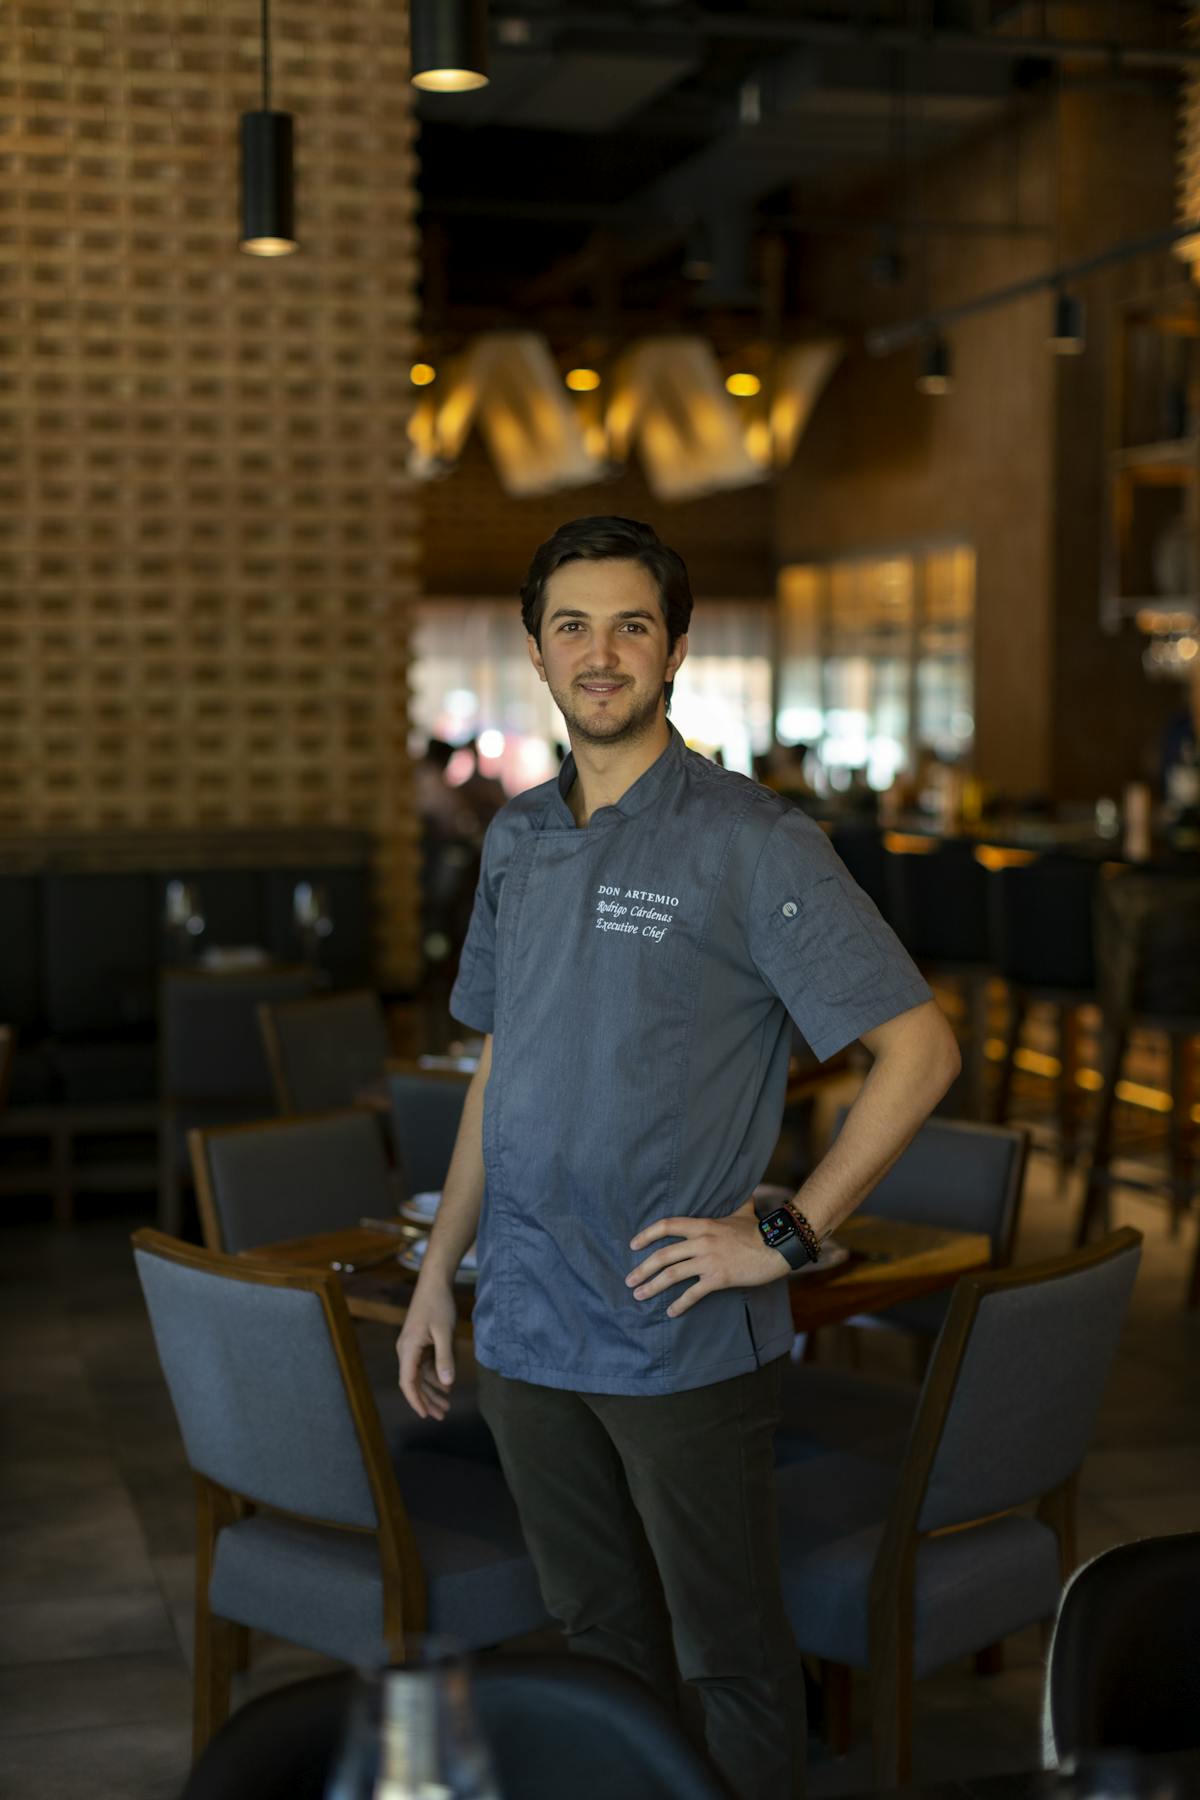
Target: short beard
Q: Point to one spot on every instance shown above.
(637, 726)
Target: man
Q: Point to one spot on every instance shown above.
(644, 925)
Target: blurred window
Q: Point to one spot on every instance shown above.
(472, 679)
(876, 660)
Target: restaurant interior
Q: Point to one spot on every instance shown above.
(318, 318)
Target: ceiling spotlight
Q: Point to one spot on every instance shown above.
(1069, 334)
(421, 374)
(449, 45)
(582, 381)
(268, 187)
(743, 385)
(937, 370)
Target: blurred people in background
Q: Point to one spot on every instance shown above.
(481, 794)
(451, 836)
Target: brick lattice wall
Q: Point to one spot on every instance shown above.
(208, 546)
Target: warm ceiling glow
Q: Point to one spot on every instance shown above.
(268, 246)
(582, 381)
(449, 81)
(743, 385)
(421, 374)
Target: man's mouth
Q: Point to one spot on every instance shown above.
(600, 688)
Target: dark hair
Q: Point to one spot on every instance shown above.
(602, 539)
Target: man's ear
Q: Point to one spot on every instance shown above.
(535, 655)
(677, 657)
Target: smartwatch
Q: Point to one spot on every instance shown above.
(779, 1231)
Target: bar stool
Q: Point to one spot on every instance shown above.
(1040, 917)
(1148, 955)
(937, 905)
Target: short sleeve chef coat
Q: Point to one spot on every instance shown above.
(638, 976)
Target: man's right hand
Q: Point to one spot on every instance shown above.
(425, 1349)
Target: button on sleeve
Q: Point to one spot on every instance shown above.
(820, 944)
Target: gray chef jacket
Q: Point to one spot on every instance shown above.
(638, 976)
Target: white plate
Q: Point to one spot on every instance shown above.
(413, 1256)
(421, 1209)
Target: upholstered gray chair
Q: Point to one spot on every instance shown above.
(213, 1069)
(286, 1178)
(305, 1530)
(323, 1051)
(426, 1106)
(899, 1568)
(964, 1176)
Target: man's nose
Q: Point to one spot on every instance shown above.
(607, 648)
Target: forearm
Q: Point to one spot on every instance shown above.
(910, 1073)
(457, 1222)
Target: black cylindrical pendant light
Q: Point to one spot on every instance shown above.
(449, 45)
(937, 368)
(268, 185)
(1068, 336)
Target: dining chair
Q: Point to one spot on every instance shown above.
(956, 1174)
(1124, 1664)
(1148, 955)
(553, 1724)
(304, 1528)
(212, 1066)
(275, 1179)
(285, 1178)
(937, 905)
(426, 1106)
(1040, 921)
(325, 1049)
(901, 1568)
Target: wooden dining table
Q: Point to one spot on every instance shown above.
(889, 1260)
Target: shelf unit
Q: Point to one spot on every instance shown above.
(1153, 450)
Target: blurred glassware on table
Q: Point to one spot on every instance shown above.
(184, 918)
(412, 1734)
(313, 916)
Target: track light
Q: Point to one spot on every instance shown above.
(268, 186)
(449, 45)
(1069, 334)
(937, 369)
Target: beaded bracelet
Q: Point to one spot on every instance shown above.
(805, 1233)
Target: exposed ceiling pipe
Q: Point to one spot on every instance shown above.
(779, 29)
(886, 338)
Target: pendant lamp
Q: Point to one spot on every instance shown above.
(449, 45)
(937, 369)
(268, 188)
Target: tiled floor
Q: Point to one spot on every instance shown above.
(95, 1512)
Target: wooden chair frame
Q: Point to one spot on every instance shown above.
(201, 1136)
(268, 1017)
(893, 1577)
(404, 1591)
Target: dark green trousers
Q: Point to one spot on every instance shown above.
(651, 1523)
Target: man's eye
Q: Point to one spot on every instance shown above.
(634, 626)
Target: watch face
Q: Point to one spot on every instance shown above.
(777, 1228)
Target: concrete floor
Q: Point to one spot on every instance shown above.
(96, 1516)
